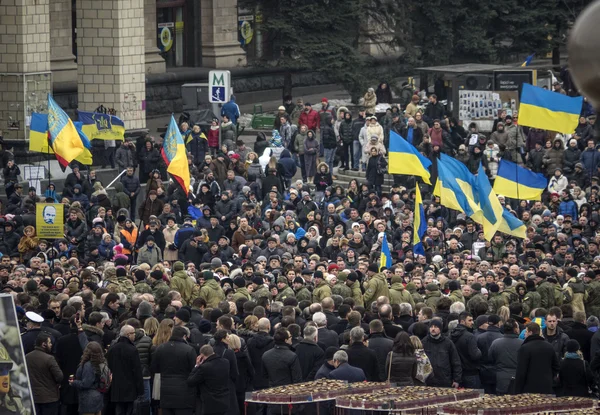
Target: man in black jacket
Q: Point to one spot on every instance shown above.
(469, 353)
(580, 332)
(132, 187)
(381, 345)
(385, 314)
(280, 365)
(257, 346)
(445, 361)
(175, 361)
(124, 362)
(327, 337)
(537, 363)
(210, 377)
(487, 372)
(309, 353)
(360, 356)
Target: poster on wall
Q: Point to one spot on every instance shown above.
(15, 389)
(165, 36)
(478, 105)
(245, 29)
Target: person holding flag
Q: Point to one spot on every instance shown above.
(175, 156)
(419, 224)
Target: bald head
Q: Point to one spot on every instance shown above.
(385, 311)
(327, 303)
(264, 325)
(382, 300)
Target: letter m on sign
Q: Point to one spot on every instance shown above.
(218, 80)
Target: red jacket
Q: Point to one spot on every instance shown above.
(213, 137)
(310, 119)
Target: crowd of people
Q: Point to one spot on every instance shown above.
(254, 279)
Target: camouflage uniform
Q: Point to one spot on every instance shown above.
(303, 295)
(321, 291)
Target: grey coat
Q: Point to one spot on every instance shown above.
(311, 154)
(503, 355)
(86, 382)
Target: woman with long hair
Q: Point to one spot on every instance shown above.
(401, 362)
(245, 370)
(151, 327)
(163, 334)
(87, 379)
(424, 369)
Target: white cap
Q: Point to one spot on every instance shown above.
(437, 258)
(35, 317)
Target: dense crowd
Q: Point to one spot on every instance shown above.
(254, 279)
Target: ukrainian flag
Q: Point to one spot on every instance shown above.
(456, 186)
(86, 156)
(419, 224)
(528, 60)
(97, 126)
(38, 134)
(511, 225)
(549, 110)
(491, 208)
(405, 159)
(386, 256)
(63, 135)
(175, 156)
(517, 182)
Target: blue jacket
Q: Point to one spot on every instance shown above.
(348, 373)
(568, 207)
(590, 160)
(183, 234)
(231, 109)
(194, 212)
(288, 164)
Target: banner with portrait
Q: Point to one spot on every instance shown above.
(49, 220)
(15, 389)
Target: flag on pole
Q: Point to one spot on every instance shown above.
(175, 156)
(62, 135)
(518, 182)
(419, 224)
(549, 110)
(98, 126)
(528, 60)
(386, 256)
(406, 159)
(511, 225)
(491, 208)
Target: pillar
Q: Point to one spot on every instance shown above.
(25, 77)
(154, 62)
(62, 60)
(220, 45)
(110, 61)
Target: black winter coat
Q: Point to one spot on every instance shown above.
(484, 342)
(329, 338)
(212, 383)
(68, 355)
(328, 137)
(373, 177)
(257, 346)
(143, 344)
(382, 346)
(175, 361)
(244, 381)
(537, 365)
(466, 346)
(444, 359)
(311, 357)
(362, 357)
(223, 351)
(124, 362)
(281, 366)
(575, 377)
(580, 332)
(403, 371)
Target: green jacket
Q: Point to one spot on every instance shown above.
(510, 295)
(340, 288)
(546, 292)
(112, 285)
(432, 298)
(412, 289)
(142, 287)
(261, 292)
(472, 303)
(531, 301)
(287, 292)
(321, 291)
(212, 293)
(592, 305)
(495, 301)
(399, 294)
(376, 287)
(184, 285)
(457, 296)
(303, 294)
(126, 286)
(160, 289)
(241, 293)
(357, 294)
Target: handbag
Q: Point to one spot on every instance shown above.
(156, 387)
(141, 406)
(390, 368)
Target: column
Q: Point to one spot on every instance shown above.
(154, 62)
(25, 77)
(111, 67)
(62, 60)
(220, 45)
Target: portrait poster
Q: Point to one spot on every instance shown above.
(49, 220)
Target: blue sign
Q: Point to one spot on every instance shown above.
(218, 93)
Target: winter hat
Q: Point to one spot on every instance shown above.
(216, 263)
(373, 268)
(108, 273)
(437, 323)
(329, 352)
(494, 288)
(208, 275)
(140, 275)
(572, 346)
(183, 314)
(257, 280)
(431, 287)
(120, 260)
(298, 280)
(353, 276)
(144, 310)
(318, 274)
(156, 274)
(178, 266)
(239, 282)
(282, 279)
(121, 272)
(481, 320)
(476, 286)
(453, 285)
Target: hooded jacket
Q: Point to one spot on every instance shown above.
(182, 283)
(466, 346)
(398, 294)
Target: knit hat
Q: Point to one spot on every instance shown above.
(140, 275)
(156, 274)
(178, 266)
(437, 323)
(183, 314)
(298, 280)
(373, 268)
(353, 276)
(109, 273)
(476, 286)
(318, 274)
(257, 280)
(481, 320)
(216, 263)
(494, 288)
(239, 282)
(144, 310)
(208, 275)
(120, 260)
(572, 346)
(329, 352)
(453, 285)
(121, 272)
(431, 287)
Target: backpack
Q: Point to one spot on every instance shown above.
(105, 378)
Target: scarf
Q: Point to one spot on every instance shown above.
(410, 135)
(570, 355)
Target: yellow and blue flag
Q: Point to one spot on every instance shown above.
(419, 224)
(386, 256)
(549, 110)
(404, 158)
(456, 186)
(528, 60)
(175, 156)
(38, 134)
(491, 208)
(98, 126)
(86, 156)
(510, 225)
(518, 182)
(63, 135)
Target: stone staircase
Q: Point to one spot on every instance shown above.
(344, 177)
